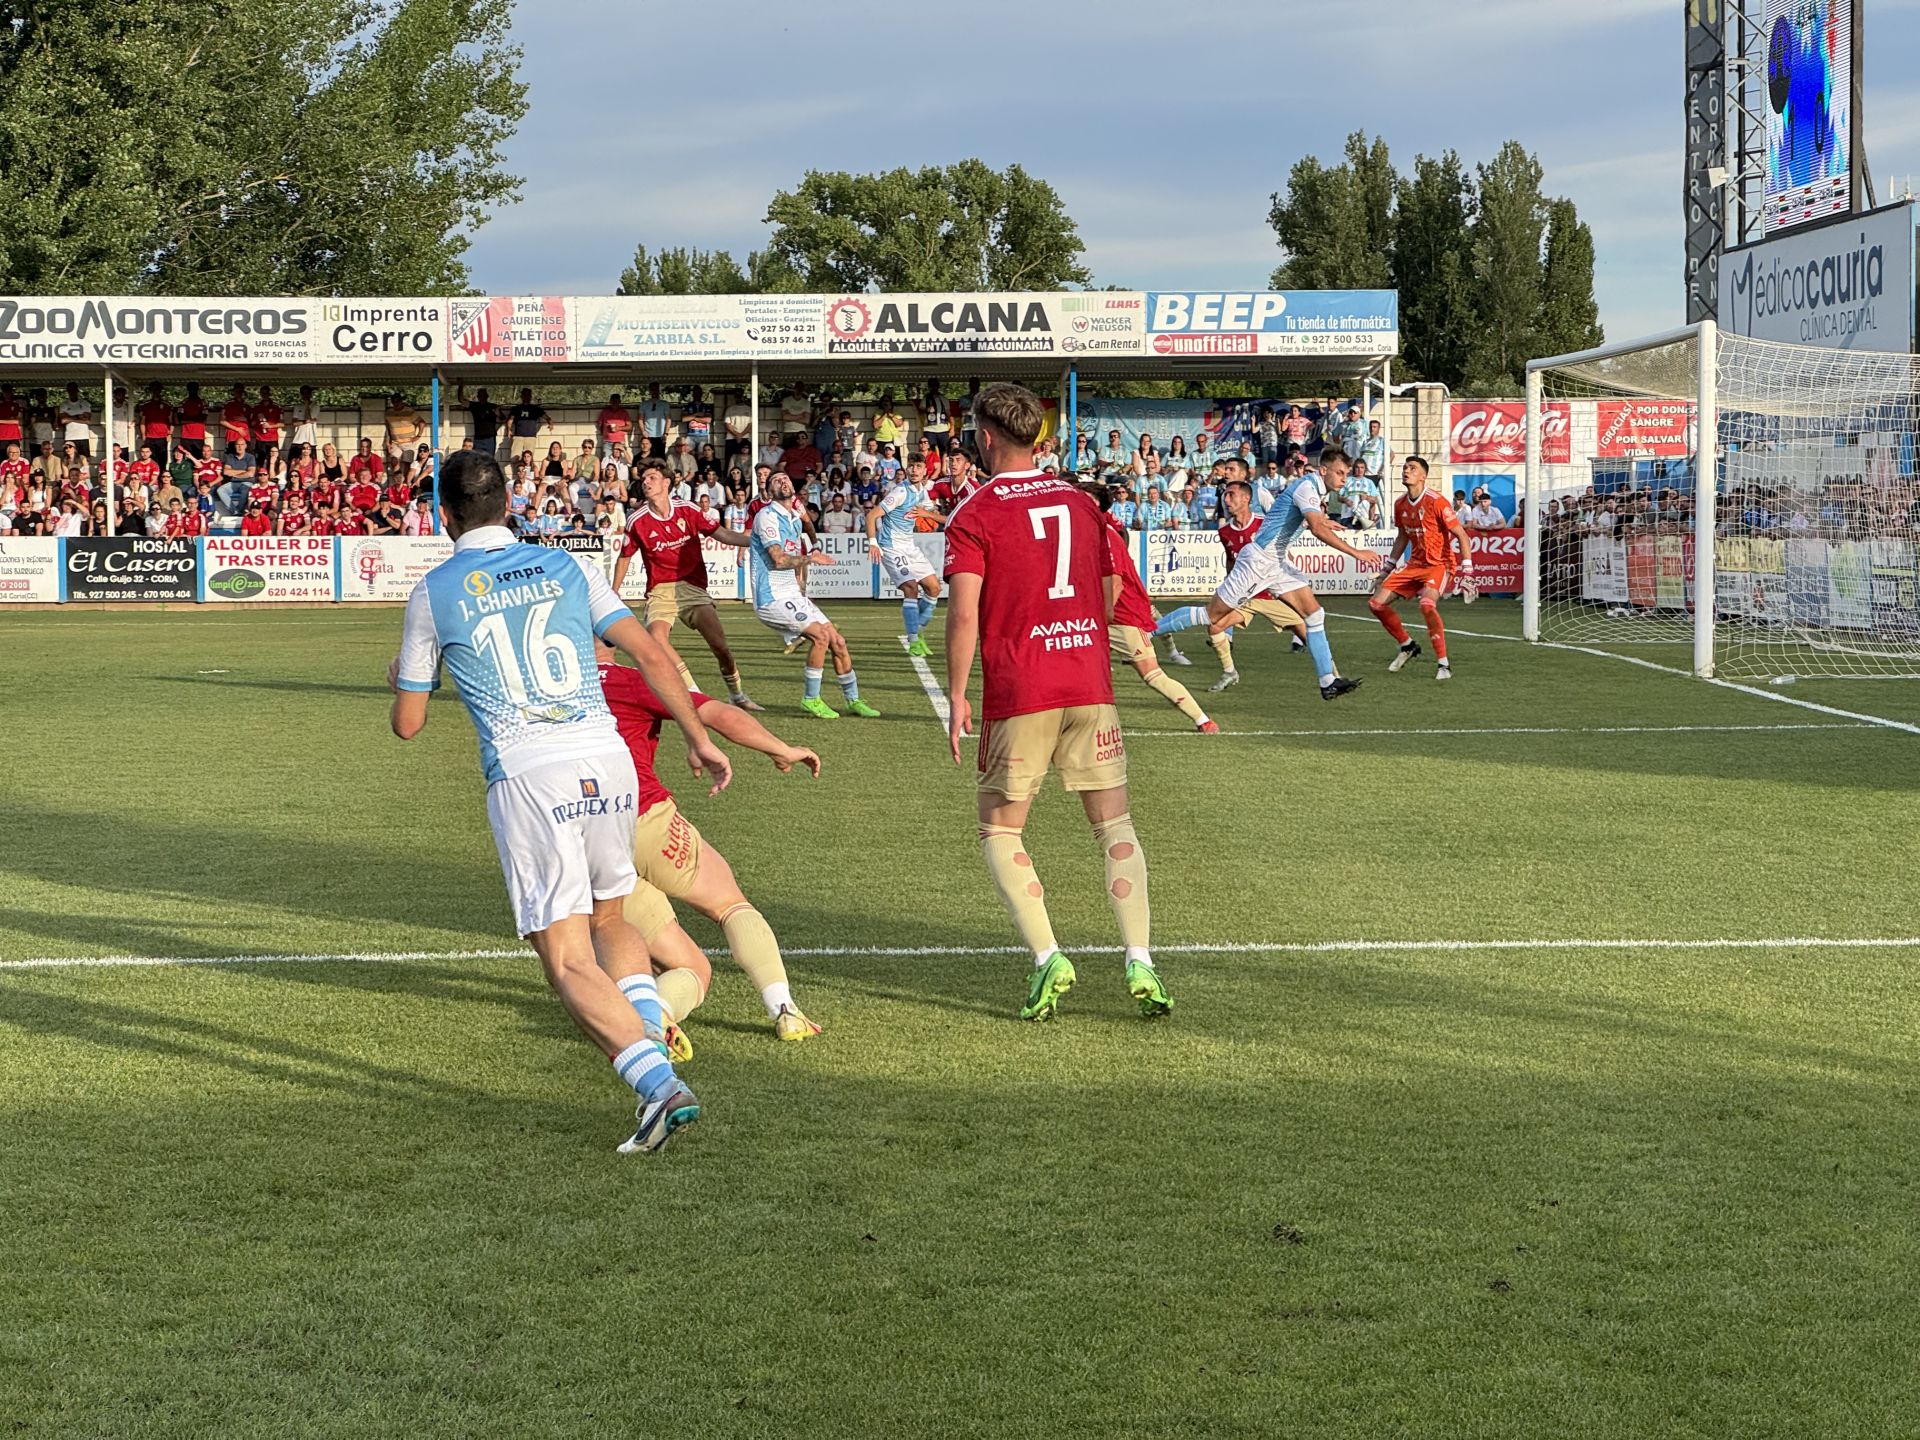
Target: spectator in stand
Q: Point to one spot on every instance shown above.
(1351, 431)
(586, 465)
(837, 519)
(1155, 513)
(71, 521)
(155, 417)
(1202, 457)
(386, 517)
(304, 422)
(401, 488)
(265, 420)
(888, 427)
(1125, 511)
(364, 461)
(614, 422)
(1360, 499)
(486, 418)
(1267, 435)
(737, 419)
(681, 463)
(526, 420)
(12, 420)
(193, 422)
(1296, 429)
(363, 492)
(405, 424)
(550, 521)
(1483, 515)
(76, 420)
(419, 520)
(295, 515)
(236, 423)
(772, 452)
(41, 419)
(256, 521)
(799, 458)
(696, 421)
(1373, 450)
(302, 468)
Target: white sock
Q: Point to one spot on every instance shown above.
(1137, 954)
(775, 997)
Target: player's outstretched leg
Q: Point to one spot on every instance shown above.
(1126, 867)
(1184, 617)
(1382, 607)
(813, 674)
(1332, 683)
(1436, 632)
(573, 952)
(1173, 692)
(849, 682)
(929, 598)
(706, 621)
(1010, 868)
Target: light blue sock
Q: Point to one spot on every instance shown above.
(927, 602)
(1185, 618)
(1318, 647)
(644, 1066)
(849, 685)
(644, 996)
(910, 612)
(813, 682)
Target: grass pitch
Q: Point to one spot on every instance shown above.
(1504, 1187)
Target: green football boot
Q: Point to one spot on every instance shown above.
(1143, 983)
(918, 649)
(862, 709)
(819, 708)
(1050, 981)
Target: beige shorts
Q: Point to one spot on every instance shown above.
(666, 850)
(1277, 613)
(1129, 643)
(1082, 742)
(671, 601)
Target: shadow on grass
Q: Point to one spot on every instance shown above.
(229, 682)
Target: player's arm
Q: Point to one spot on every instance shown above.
(726, 535)
(620, 565)
(873, 530)
(963, 638)
(1327, 533)
(415, 671)
(732, 723)
(1401, 540)
(1461, 539)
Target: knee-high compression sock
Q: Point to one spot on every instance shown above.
(644, 1066)
(680, 993)
(1436, 632)
(1184, 618)
(1386, 616)
(644, 996)
(1176, 694)
(757, 953)
(1011, 870)
(1126, 882)
(1223, 647)
(910, 613)
(1318, 647)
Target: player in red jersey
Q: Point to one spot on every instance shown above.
(11, 417)
(675, 862)
(668, 533)
(1429, 529)
(1033, 590)
(1130, 632)
(1237, 529)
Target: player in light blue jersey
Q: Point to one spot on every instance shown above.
(778, 551)
(515, 625)
(891, 526)
(1262, 566)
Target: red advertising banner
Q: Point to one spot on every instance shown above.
(1499, 560)
(510, 327)
(1494, 432)
(1627, 428)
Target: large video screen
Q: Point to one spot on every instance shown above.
(1809, 111)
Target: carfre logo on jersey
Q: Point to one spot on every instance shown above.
(479, 583)
(848, 318)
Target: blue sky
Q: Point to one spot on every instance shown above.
(1164, 127)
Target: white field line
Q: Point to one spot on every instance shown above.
(1521, 730)
(1675, 670)
(936, 697)
(887, 952)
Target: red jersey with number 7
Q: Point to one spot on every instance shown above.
(1039, 547)
(671, 544)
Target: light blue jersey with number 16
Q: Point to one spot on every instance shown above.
(515, 626)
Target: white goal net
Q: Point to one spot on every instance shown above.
(1752, 503)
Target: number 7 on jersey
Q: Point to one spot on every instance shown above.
(1063, 549)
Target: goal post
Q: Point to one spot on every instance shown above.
(1752, 502)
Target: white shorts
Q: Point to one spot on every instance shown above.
(1259, 568)
(906, 566)
(789, 614)
(564, 831)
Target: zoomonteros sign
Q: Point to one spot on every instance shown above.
(461, 332)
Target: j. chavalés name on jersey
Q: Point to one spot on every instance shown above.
(518, 595)
(1067, 634)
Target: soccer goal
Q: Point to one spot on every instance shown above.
(1747, 505)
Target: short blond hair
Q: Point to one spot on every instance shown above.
(1014, 412)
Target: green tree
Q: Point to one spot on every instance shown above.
(207, 147)
(1335, 223)
(1432, 266)
(1569, 315)
(681, 271)
(1508, 233)
(958, 227)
